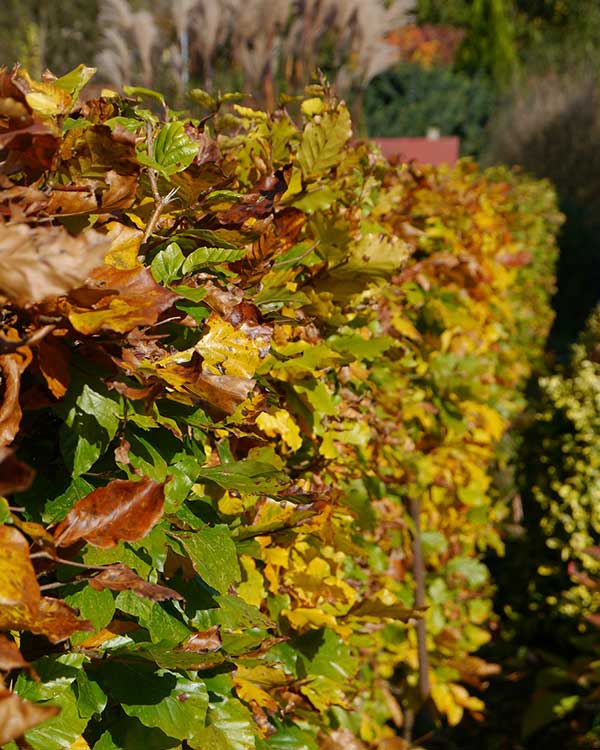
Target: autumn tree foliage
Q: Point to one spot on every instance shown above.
(253, 381)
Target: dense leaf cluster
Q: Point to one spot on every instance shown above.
(260, 376)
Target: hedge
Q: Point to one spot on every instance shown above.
(254, 381)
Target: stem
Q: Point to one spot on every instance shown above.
(62, 561)
(160, 202)
(419, 576)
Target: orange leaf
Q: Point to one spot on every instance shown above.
(122, 510)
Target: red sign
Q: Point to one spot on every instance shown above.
(421, 150)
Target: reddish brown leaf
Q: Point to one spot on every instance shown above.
(130, 298)
(53, 361)
(57, 621)
(123, 510)
(18, 715)
(119, 577)
(10, 656)
(46, 261)
(11, 367)
(204, 641)
(15, 476)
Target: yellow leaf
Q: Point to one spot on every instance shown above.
(125, 246)
(79, 744)
(230, 351)
(280, 423)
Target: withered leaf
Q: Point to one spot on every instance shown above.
(10, 656)
(132, 298)
(18, 715)
(87, 196)
(204, 641)
(57, 621)
(123, 510)
(46, 261)
(11, 368)
(19, 590)
(21, 605)
(119, 577)
(53, 361)
(15, 476)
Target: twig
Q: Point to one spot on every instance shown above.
(56, 585)
(160, 202)
(419, 576)
(62, 561)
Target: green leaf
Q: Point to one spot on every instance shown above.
(213, 555)
(91, 699)
(73, 81)
(229, 727)
(194, 294)
(62, 730)
(166, 264)
(55, 510)
(323, 141)
(179, 714)
(203, 98)
(142, 91)
(174, 151)
(292, 738)
(211, 256)
(472, 570)
(246, 476)
(96, 606)
(162, 626)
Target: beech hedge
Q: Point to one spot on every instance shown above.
(253, 383)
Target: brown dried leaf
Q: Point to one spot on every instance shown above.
(131, 298)
(10, 656)
(53, 361)
(123, 510)
(18, 715)
(46, 261)
(11, 368)
(15, 476)
(119, 577)
(57, 621)
(204, 641)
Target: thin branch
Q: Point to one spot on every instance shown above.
(419, 576)
(160, 202)
(62, 561)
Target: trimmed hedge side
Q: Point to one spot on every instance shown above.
(262, 431)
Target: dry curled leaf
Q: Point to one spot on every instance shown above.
(204, 641)
(119, 577)
(46, 261)
(119, 300)
(18, 715)
(10, 656)
(123, 510)
(15, 476)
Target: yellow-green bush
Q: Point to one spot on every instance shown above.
(292, 357)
